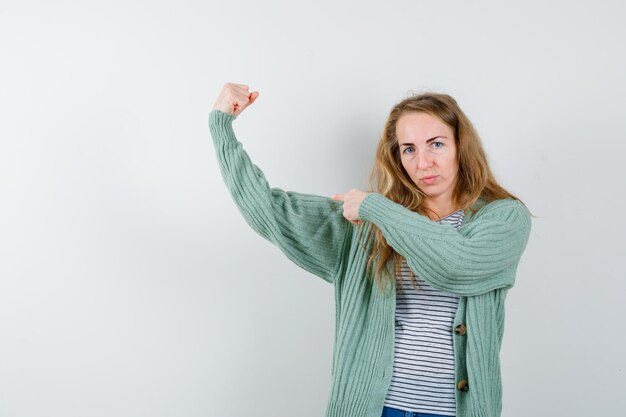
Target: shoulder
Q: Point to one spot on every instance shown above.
(506, 207)
(503, 204)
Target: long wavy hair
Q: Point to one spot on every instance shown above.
(389, 178)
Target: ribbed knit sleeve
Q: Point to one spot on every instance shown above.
(478, 257)
(309, 229)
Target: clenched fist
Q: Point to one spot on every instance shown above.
(234, 98)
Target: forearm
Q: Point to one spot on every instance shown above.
(479, 256)
(308, 228)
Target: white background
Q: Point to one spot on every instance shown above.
(130, 284)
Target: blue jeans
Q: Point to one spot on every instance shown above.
(394, 412)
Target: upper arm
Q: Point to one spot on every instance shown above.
(309, 229)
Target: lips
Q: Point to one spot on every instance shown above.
(429, 180)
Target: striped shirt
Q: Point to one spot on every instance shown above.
(423, 370)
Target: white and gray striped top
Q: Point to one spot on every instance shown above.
(423, 369)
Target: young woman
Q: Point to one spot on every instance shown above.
(420, 264)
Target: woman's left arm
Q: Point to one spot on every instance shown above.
(478, 257)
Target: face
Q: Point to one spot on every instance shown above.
(428, 153)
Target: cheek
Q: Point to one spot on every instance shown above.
(409, 168)
(406, 164)
(450, 165)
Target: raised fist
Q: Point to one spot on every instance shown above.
(234, 98)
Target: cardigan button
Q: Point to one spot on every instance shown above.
(462, 385)
(461, 330)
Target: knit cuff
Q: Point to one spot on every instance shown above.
(220, 122)
(380, 210)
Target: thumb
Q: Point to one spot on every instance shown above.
(240, 107)
(338, 197)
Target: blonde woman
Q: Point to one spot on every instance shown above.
(420, 264)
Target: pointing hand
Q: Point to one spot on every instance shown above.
(351, 202)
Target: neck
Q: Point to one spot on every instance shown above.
(439, 210)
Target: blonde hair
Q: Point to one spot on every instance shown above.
(389, 178)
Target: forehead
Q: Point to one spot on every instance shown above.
(421, 127)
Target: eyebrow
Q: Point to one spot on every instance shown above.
(427, 141)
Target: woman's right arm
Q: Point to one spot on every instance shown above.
(309, 229)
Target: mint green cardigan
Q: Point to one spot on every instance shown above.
(477, 261)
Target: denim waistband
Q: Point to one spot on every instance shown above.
(394, 412)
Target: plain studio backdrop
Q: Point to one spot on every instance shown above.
(130, 284)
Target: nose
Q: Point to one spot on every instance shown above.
(424, 161)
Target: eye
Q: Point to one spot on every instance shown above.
(438, 143)
(406, 149)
